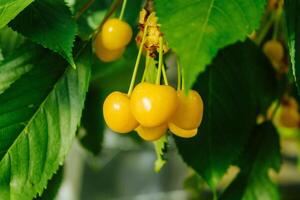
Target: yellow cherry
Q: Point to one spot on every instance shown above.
(104, 54)
(182, 132)
(289, 117)
(117, 114)
(116, 34)
(151, 133)
(153, 105)
(274, 50)
(189, 113)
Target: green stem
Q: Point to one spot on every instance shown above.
(183, 79)
(123, 9)
(178, 76)
(136, 66)
(262, 34)
(160, 60)
(276, 25)
(165, 75)
(146, 66)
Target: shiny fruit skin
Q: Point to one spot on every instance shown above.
(189, 113)
(151, 133)
(153, 105)
(182, 132)
(117, 113)
(116, 34)
(289, 117)
(273, 50)
(106, 55)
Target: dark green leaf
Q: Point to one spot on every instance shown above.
(197, 29)
(292, 8)
(39, 115)
(92, 120)
(261, 154)
(50, 24)
(10, 8)
(14, 66)
(239, 84)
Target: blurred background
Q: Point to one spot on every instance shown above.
(124, 170)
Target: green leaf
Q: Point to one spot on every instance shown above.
(293, 37)
(235, 88)
(197, 29)
(261, 154)
(161, 148)
(92, 121)
(14, 66)
(39, 115)
(53, 186)
(50, 24)
(10, 8)
(9, 40)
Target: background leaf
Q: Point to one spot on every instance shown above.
(37, 132)
(293, 37)
(235, 88)
(196, 29)
(49, 23)
(53, 186)
(261, 154)
(10, 8)
(92, 121)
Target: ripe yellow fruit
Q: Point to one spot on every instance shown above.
(117, 113)
(104, 54)
(182, 132)
(116, 34)
(152, 133)
(189, 113)
(274, 50)
(153, 105)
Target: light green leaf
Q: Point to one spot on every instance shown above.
(39, 115)
(10, 8)
(235, 88)
(9, 40)
(293, 37)
(53, 186)
(50, 24)
(261, 154)
(197, 29)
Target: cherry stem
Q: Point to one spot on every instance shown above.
(178, 76)
(277, 18)
(123, 9)
(165, 75)
(146, 66)
(84, 8)
(183, 79)
(159, 60)
(264, 31)
(136, 66)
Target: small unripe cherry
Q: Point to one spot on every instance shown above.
(152, 133)
(182, 132)
(104, 54)
(289, 117)
(273, 50)
(117, 113)
(153, 105)
(116, 34)
(189, 113)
